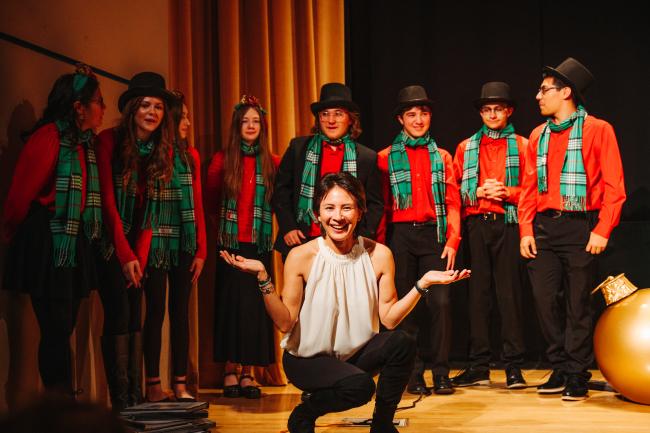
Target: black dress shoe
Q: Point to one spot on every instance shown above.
(576, 388)
(514, 379)
(417, 385)
(442, 384)
(471, 377)
(555, 384)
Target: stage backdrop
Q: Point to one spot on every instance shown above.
(452, 48)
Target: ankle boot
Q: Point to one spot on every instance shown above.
(382, 418)
(115, 349)
(135, 368)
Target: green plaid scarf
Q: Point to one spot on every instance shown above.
(471, 167)
(67, 203)
(399, 171)
(169, 211)
(262, 215)
(310, 172)
(573, 180)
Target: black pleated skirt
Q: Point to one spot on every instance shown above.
(29, 261)
(243, 331)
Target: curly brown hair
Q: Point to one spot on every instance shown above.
(159, 165)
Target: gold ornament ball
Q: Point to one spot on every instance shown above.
(622, 346)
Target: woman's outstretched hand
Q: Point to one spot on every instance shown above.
(443, 277)
(242, 263)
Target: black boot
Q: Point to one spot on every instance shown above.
(135, 368)
(115, 349)
(349, 392)
(382, 418)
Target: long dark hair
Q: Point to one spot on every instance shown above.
(60, 102)
(159, 165)
(232, 160)
(176, 112)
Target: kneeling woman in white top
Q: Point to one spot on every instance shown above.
(337, 289)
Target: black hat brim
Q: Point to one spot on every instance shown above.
(317, 107)
(478, 103)
(413, 103)
(155, 92)
(554, 72)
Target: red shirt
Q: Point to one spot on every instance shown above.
(246, 197)
(35, 175)
(492, 165)
(140, 251)
(605, 183)
(331, 162)
(423, 208)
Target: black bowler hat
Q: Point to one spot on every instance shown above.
(145, 84)
(494, 92)
(411, 96)
(333, 95)
(574, 74)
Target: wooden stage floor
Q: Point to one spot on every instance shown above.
(486, 409)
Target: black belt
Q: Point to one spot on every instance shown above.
(487, 216)
(416, 224)
(554, 213)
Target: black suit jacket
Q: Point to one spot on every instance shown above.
(287, 190)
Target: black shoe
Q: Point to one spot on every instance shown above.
(472, 377)
(442, 384)
(231, 391)
(250, 391)
(555, 384)
(514, 379)
(576, 388)
(301, 420)
(417, 385)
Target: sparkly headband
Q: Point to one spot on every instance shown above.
(81, 74)
(250, 101)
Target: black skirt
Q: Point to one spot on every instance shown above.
(29, 264)
(243, 330)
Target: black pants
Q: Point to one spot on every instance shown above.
(338, 385)
(495, 259)
(155, 287)
(122, 305)
(416, 250)
(56, 320)
(563, 275)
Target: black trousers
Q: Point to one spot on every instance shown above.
(56, 320)
(338, 385)
(563, 275)
(416, 250)
(495, 259)
(155, 288)
(122, 305)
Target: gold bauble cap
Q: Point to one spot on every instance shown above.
(615, 288)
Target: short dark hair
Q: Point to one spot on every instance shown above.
(344, 180)
(560, 83)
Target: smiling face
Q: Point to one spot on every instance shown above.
(339, 215)
(149, 116)
(416, 121)
(334, 122)
(251, 125)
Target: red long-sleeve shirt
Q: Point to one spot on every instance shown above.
(140, 251)
(423, 208)
(492, 165)
(35, 175)
(246, 198)
(603, 167)
(331, 162)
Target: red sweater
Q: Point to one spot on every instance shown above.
(605, 183)
(34, 177)
(492, 165)
(423, 208)
(140, 251)
(246, 198)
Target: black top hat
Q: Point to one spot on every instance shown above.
(574, 74)
(145, 84)
(494, 92)
(411, 96)
(334, 95)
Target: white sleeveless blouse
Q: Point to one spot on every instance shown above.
(340, 309)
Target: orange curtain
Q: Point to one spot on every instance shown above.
(281, 51)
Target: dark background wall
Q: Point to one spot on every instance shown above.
(453, 47)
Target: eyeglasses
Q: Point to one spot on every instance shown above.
(496, 110)
(543, 90)
(339, 115)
